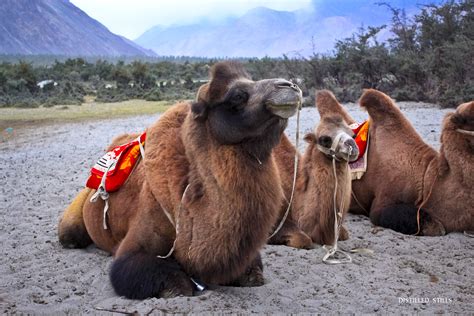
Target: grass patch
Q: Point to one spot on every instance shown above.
(16, 117)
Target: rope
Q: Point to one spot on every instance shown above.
(332, 251)
(295, 171)
(423, 202)
(465, 132)
(359, 204)
(173, 223)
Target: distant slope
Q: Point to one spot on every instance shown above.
(57, 27)
(266, 32)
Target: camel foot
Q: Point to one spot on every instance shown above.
(292, 236)
(140, 275)
(343, 234)
(432, 227)
(253, 276)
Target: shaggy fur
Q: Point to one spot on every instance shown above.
(403, 170)
(313, 208)
(211, 147)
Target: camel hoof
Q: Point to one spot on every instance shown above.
(252, 277)
(433, 227)
(299, 240)
(343, 234)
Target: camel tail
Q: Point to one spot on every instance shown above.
(326, 103)
(378, 105)
(71, 229)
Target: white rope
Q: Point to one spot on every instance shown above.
(465, 132)
(173, 223)
(468, 233)
(332, 251)
(295, 171)
(103, 194)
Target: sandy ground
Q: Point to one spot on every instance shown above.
(42, 168)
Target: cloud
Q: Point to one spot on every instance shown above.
(132, 18)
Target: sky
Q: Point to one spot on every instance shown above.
(131, 18)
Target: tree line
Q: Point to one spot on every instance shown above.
(429, 57)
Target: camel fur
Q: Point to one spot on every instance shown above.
(404, 173)
(210, 166)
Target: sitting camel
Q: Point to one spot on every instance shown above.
(329, 150)
(405, 174)
(209, 166)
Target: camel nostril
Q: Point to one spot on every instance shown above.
(281, 83)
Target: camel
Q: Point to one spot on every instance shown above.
(313, 207)
(405, 174)
(209, 166)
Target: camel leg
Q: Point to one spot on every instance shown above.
(292, 236)
(71, 229)
(402, 218)
(343, 234)
(137, 273)
(253, 276)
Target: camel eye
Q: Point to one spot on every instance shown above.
(325, 141)
(239, 97)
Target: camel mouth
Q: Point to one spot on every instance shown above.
(284, 110)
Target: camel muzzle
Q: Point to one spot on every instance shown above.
(285, 98)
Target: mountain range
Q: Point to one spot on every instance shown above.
(57, 27)
(265, 32)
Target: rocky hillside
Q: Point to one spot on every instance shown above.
(57, 27)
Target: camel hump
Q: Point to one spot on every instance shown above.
(327, 104)
(378, 105)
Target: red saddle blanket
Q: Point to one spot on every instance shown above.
(116, 165)
(362, 135)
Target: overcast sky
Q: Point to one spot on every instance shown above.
(131, 18)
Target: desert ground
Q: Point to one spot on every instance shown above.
(43, 167)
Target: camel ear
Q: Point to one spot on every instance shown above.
(458, 119)
(199, 110)
(310, 138)
(327, 104)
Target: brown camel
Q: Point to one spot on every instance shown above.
(313, 208)
(405, 173)
(209, 165)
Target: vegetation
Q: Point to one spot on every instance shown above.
(428, 58)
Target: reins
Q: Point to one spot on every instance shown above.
(295, 171)
(331, 251)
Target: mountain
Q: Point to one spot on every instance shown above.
(265, 32)
(57, 27)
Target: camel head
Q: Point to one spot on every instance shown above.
(333, 136)
(238, 109)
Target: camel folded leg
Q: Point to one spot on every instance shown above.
(402, 218)
(71, 229)
(292, 236)
(137, 272)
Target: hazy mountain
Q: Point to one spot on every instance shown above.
(57, 27)
(266, 32)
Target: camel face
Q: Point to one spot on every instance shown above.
(334, 137)
(243, 109)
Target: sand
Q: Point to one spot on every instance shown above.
(42, 168)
